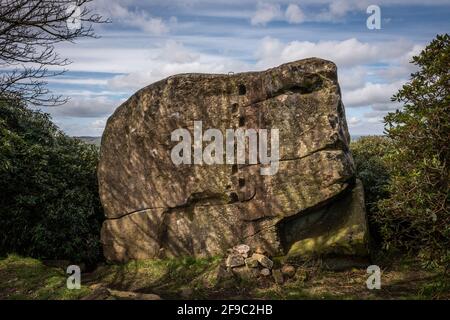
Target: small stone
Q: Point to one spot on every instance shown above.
(288, 270)
(278, 276)
(130, 295)
(99, 292)
(242, 249)
(263, 260)
(234, 260)
(251, 262)
(246, 273)
(260, 250)
(148, 296)
(265, 272)
(95, 286)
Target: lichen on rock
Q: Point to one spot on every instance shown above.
(155, 208)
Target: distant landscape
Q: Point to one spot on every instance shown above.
(97, 140)
(91, 140)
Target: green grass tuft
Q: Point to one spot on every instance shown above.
(27, 278)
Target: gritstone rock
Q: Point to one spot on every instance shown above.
(155, 208)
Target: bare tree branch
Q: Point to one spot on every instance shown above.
(29, 30)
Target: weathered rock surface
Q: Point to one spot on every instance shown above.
(278, 276)
(338, 229)
(129, 295)
(242, 249)
(251, 262)
(155, 208)
(246, 273)
(234, 260)
(265, 272)
(288, 271)
(263, 260)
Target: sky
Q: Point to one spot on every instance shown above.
(147, 41)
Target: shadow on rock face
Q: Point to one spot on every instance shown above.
(155, 208)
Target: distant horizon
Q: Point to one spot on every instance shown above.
(96, 140)
(352, 135)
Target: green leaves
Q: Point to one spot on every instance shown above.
(49, 205)
(371, 168)
(416, 214)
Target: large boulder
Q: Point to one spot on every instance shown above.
(156, 208)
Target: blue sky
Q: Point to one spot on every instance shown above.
(150, 40)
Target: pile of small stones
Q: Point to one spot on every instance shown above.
(247, 263)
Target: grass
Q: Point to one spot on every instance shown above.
(164, 277)
(26, 278)
(438, 288)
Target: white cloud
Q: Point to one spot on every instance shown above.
(294, 14)
(336, 10)
(82, 126)
(270, 49)
(265, 13)
(371, 94)
(369, 67)
(345, 53)
(353, 121)
(99, 123)
(138, 18)
(173, 58)
(386, 106)
(369, 127)
(78, 81)
(139, 79)
(403, 68)
(374, 117)
(363, 85)
(154, 26)
(173, 51)
(352, 78)
(98, 126)
(340, 8)
(89, 57)
(85, 107)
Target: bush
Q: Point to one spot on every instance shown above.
(371, 168)
(49, 203)
(416, 215)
